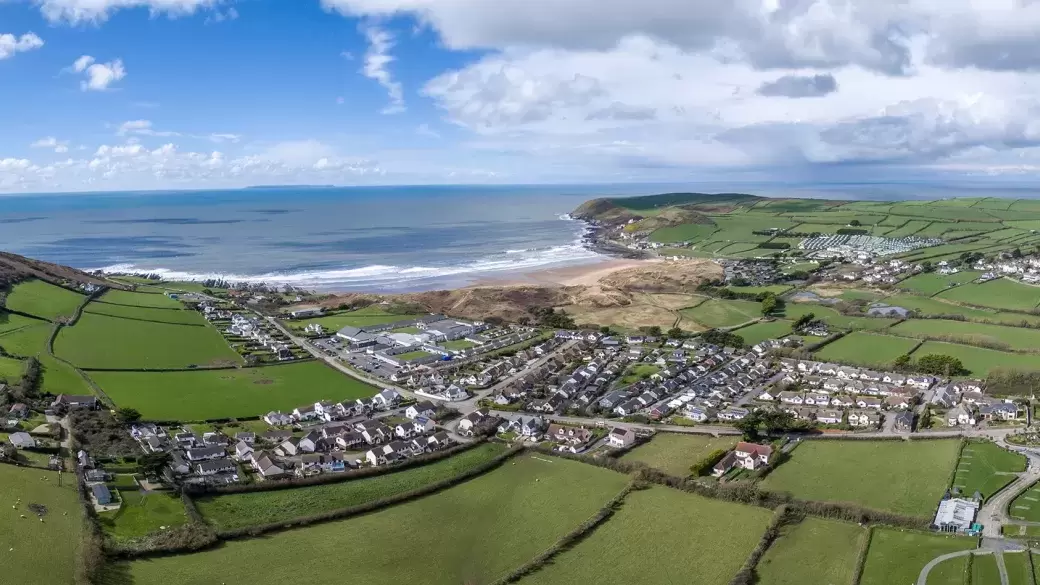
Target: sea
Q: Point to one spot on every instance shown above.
(373, 239)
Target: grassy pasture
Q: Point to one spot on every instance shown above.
(43, 299)
(833, 546)
(757, 332)
(1016, 338)
(998, 294)
(1027, 505)
(674, 453)
(97, 341)
(139, 299)
(908, 228)
(249, 509)
(475, 532)
(722, 313)
(980, 360)
(458, 344)
(60, 378)
(12, 322)
(11, 369)
(866, 348)
(716, 538)
(902, 477)
(949, 572)
(1019, 570)
(687, 232)
(171, 316)
(142, 514)
(834, 318)
(235, 393)
(936, 306)
(897, 556)
(984, 570)
(777, 289)
(368, 316)
(34, 551)
(931, 283)
(26, 341)
(986, 467)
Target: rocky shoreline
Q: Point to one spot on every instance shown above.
(594, 240)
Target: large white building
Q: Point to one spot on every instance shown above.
(956, 515)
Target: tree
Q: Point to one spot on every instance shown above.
(127, 415)
(605, 330)
(769, 304)
(749, 426)
(926, 266)
(941, 365)
(1016, 253)
(902, 362)
(855, 223)
(804, 320)
(152, 464)
(652, 330)
(676, 333)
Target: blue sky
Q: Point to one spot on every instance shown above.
(157, 94)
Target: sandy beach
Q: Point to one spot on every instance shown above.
(580, 275)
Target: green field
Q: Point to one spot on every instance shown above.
(979, 361)
(1027, 505)
(689, 232)
(253, 508)
(934, 306)
(932, 283)
(413, 355)
(373, 315)
(832, 546)
(458, 344)
(716, 538)
(11, 322)
(777, 289)
(722, 313)
(636, 372)
(11, 369)
(34, 551)
(1019, 570)
(867, 349)
(472, 533)
(757, 332)
(236, 393)
(173, 316)
(60, 378)
(949, 572)
(897, 556)
(1015, 338)
(43, 299)
(26, 341)
(902, 477)
(141, 514)
(139, 299)
(998, 294)
(835, 319)
(674, 453)
(97, 341)
(984, 570)
(986, 467)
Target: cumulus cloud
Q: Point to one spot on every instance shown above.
(799, 86)
(52, 143)
(142, 128)
(377, 59)
(96, 11)
(10, 44)
(99, 76)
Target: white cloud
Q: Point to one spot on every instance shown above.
(425, 130)
(221, 138)
(217, 17)
(96, 11)
(99, 76)
(376, 60)
(142, 128)
(10, 44)
(52, 143)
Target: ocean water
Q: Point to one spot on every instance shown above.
(390, 239)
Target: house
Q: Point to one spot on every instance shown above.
(308, 412)
(349, 440)
(75, 402)
(733, 413)
(468, 422)
(628, 408)
(204, 453)
(922, 382)
(265, 465)
(999, 411)
(842, 401)
(215, 466)
(868, 402)
(787, 397)
(246, 437)
(829, 417)
(275, 437)
(386, 399)
(22, 440)
(243, 451)
(864, 418)
(287, 448)
(960, 415)
(438, 440)
(897, 402)
(905, 421)
(748, 456)
(310, 442)
(620, 438)
(423, 408)
(277, 419)
(946, 396)
(569, 435)
(817, 399)
(767, 396)
(18, 410)
(101, 494)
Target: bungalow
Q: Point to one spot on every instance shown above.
(265, 465)
(905, 421)
(946, 396)
(842, 401)
(75, 402)
(766, 395)
(733, 413)
(749, 456)
(833, 384)
(864, 418)
(817, 399)
(620, 438)
(922, 382)
(22, 440)
(628, 408)
(829, 417)
(277, 419)
(275, 437)
(246, 437)
(18, 410)
(305, 413)
(897, 402)
(422, 408)
(698, 413)
(868, 402)
(215, 466)
(101, 494)
(787, 397)
(205, 453)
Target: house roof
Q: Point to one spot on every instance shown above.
(754, 449)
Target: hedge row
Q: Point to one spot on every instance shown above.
(160, 370)
(861, 558)
(286, 484)
(746, 574)
(368, 507)
(191, 509)
(825, 341)
(571, 539)
(960, 453)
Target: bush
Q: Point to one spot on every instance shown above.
(702, 466)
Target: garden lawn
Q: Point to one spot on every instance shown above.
(897, 556)
(43, 299)
(722, 313)
(999, 294)
(215, 394)
(97, 341)
(675, 453)
(232, 511)
(177, 316)
(758, 332)
(139, 299)
(1027, 505)
(986, 467)
(896, 476)
(473, 533)
(458, 344)
(142, 514)
(710, 540)
(34, 551)
(930, 283)
(833, 546)
(637, 372)
(866, 349)
(979, 360)
(1013, 338)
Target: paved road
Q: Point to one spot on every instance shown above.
(574, 420)
(993, 513)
